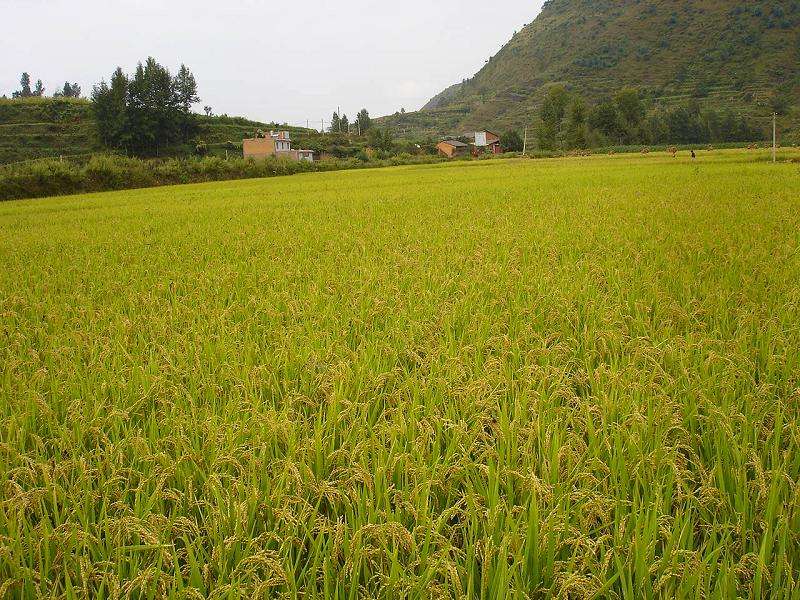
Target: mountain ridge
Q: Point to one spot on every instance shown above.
(741, 54)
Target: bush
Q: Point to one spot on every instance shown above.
(40, 178)
(37, 179)
(104, 172)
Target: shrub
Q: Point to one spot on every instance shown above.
(112, 172)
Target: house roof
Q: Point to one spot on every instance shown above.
(455, 143)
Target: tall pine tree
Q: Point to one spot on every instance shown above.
(363, 121)
(153, 109)
(186, 90)
(110, 105)
(25, 87)
(336, 123)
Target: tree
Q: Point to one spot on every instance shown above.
(153, 108)
(604, 119)
(344, 124)
(336, 123)
(103, 113)
(25, 87)
(577, 132)
(363, 120)
(186, 90)
(70, 90)
(145, 112)
(511, 141)
(380, 139)
(684, 125)
(38, 91)
(655, 129)
(109, 104)
(552, 116)
(208, 110)
(631, 113)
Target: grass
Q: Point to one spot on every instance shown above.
(573, 378)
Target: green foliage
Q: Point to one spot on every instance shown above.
(571, 379)
(70, 90)
(577, 129)
(110, 107)
(111, 172)
(336, 123)
(363, 121)
(631, 112)
(511, 141)
(626, 121)
(551, 117)
(380, 139)
(605, 120)
(25, 87)
(186, 92)
(147, 112)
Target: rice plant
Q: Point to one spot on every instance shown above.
(566, 379)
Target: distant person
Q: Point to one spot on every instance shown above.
(693, 155)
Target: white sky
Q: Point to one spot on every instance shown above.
(265, 59)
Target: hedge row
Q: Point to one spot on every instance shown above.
(109, 172)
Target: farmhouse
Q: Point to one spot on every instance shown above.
(487, 141)
(276, 143)
(452, 148)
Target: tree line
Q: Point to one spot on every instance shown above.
(70, 90)
(567, 121)
(341, 124)
(147, 111)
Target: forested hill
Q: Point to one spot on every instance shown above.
(737, 54)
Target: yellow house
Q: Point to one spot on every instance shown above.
(277, 143)
(258, 148)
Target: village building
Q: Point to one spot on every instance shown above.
(486, 141)
(277, 144)
(452, 148)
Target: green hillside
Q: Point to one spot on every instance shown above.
(45, 127)
(33, 128)
(732, 54)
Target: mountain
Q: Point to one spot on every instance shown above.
(732, 54)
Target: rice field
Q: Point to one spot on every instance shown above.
(569, 379)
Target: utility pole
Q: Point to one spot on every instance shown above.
(774, 137)
(525, 142)
(339, 114)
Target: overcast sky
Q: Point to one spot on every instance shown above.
(265, 59)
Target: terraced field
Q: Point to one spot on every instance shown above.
(572, 378)
(34, 128)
